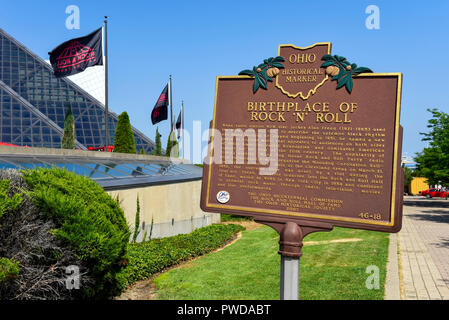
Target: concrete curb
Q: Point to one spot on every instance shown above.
(392, 283)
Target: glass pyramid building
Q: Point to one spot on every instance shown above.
(33, 104)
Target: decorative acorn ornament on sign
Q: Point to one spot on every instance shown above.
(332, 71)
(273, 72)
(342, 70)
(264, 72)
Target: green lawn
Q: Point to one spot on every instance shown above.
(250, 269)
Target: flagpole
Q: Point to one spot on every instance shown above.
(170, 102)
(182, 127)
(106, 100)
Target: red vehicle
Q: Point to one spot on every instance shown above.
(434, 193)
(8, 144)
(110, 148)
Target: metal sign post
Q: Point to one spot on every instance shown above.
(290, 249)
(289, 278)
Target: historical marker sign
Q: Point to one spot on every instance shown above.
(310, 138)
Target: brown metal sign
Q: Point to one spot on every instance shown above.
(310, 138)
(311, 77)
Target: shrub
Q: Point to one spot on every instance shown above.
(8, 203)
(87, 220)
(137, 222)
(68, 137)
(148, 258)
(151, 231)
(8, 269)
(124, 138)
(172, 149)
(157, 150)
(37, 268)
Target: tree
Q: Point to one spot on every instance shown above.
(172, 146)
(68, 138)
(433, 161)
(124, 138)
(157, 151)
(137, 221)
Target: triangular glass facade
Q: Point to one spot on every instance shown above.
(21, 125)
(24, 76)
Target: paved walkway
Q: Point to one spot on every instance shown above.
(418, 267)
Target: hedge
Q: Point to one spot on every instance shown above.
(148, 258)
(88, 221)
(231, 217)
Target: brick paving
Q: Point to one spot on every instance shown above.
(422, 248)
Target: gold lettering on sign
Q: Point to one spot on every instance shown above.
(302, 75)
(302, 58)
(274, 111)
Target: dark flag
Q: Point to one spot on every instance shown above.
(75, 55)
(160, 110)
(178, 124)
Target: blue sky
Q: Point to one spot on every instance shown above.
(197, 40)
